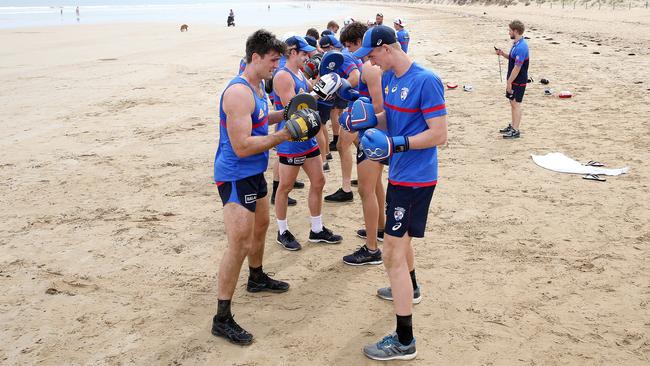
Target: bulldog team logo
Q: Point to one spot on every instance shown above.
(404, 93)
(331, 65)
(399, 213)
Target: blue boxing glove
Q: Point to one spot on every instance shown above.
(362, 115)
(330, 62)
(347, 92)
(344, 120)
(378, 146)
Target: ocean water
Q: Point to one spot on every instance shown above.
(35, 13)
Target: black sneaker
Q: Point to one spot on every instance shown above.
(298, 185)
(354, 182)
(362, 234)
(288, 241)
(326, 167)
(363, 256)
(266, 283)
(325, 236)
(340, 196)
(333, 146)
(290, 201)
(230, 330)
(507, 129)
(512, 134)
(329, 156)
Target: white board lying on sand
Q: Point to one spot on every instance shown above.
(559, 162)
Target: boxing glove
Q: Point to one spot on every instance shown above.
(344, 120)
(327, 86)
(378, 146)
(347, 92)
(303, 125)
(330, 62)
(362, 115)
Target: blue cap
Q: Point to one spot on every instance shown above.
(329, 40)
(375, 37)
(326, 32)
(300, 43)
(311, 40)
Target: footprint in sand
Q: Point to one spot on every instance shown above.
(596, 53)
(631, 54)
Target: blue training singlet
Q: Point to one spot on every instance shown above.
(227, 165)
(289, 148)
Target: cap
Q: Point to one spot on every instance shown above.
(299, 43)
(326, 32)
(375, 37)
(329, 40)
(380, 15)
(311, 40)
(399, 21)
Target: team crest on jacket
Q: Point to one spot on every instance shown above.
(404, 93)
(399, 213)
(261, 114)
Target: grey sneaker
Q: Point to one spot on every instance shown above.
(387, 294)
(389, 348)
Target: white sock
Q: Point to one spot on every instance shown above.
(283, 226)
(316, 223)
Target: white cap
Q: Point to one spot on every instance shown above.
(399, 21)
(348, 20)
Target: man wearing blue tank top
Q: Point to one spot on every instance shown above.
(412, 125)
(287, 82)
(240, 162)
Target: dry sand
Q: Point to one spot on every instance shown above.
(111, 228)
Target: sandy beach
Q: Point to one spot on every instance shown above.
(111, 228)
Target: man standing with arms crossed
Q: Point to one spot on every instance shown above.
(239, 165)
(413, 124)
(517, 76)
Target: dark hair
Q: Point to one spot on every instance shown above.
(313, 32)
(332, 24)
(353, 31)
(518, 26)
(263, 42)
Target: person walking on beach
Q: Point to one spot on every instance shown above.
(412, 125)
(517, 76)
(402, 34)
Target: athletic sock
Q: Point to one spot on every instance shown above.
(316, 223)
(255, 273)
(275, 187)
(283, 226)
(223, 310)
(405, 329)
(413, 280)
(373, 251)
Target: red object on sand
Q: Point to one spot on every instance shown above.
(565, 94)
(452, 85)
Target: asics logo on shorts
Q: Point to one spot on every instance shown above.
(250, 198)
(374, 152)
(397, 226)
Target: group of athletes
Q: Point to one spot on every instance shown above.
(378, 99)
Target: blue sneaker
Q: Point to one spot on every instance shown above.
(363, 256)
(288, 241)
(389, 348)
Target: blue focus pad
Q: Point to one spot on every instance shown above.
(365, 100)
(330, 62)
(344, 120)
(362, 116)
(376, 145)
(347, 92)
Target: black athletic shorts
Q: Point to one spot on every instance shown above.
(324, 112)
(245, 191)
(407, 209)
(340, 103)
(298, 160)
(361, 156)
(517, 93)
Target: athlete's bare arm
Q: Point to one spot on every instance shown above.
(284, 86)
(435, 135)
(238, 104)
(372, 77)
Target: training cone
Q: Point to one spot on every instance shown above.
(565, 94)
(452, 86)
